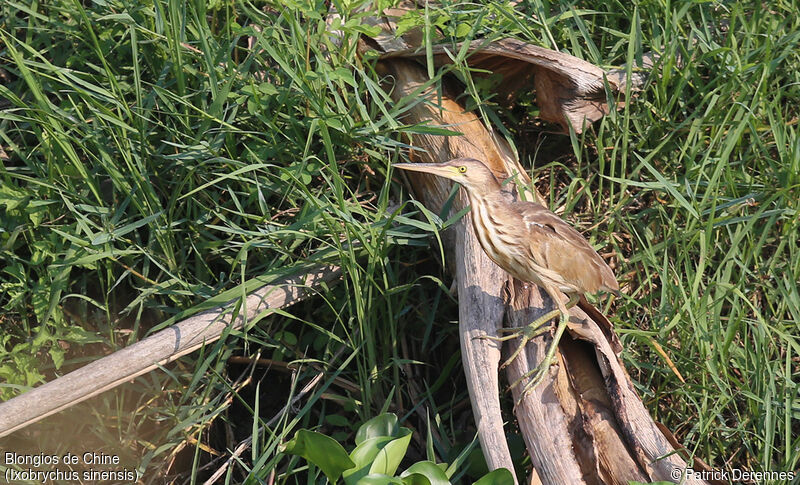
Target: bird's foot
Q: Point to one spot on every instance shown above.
(525, 334)
(537, 374)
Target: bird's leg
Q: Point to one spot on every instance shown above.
(532, 330)
(538, 373)
(525, 333)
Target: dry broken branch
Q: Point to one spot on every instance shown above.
(156, 350)
(569, 91)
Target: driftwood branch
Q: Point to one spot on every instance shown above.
(569, 91)
(156, 350)
(585, 424)
(480, 312)
(479, 280)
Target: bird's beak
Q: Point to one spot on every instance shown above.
(440, 169)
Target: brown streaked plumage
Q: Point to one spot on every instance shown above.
(530, 243)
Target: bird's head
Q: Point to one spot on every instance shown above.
(470, 173)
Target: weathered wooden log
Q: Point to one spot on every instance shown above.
(156, 350)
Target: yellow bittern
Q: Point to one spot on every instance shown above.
(532, 244)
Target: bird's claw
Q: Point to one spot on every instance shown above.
(525, 334)
(536, 377)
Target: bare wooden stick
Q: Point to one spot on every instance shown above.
(480, 281)
(480, 312)
(158, 349)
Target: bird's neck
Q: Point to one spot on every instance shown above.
(488, 188)
(485, 218)
(488, 197)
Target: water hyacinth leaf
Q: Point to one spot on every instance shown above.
(416, 479)
(379, 479)
(382, 425)
(363, 456)
(389, 458)
(501, 476)
(321, 450)
(429, 470)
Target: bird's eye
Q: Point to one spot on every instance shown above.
(462, 169)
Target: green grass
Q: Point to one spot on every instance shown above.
(152, 161)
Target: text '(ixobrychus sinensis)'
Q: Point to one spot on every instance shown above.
(533, 245)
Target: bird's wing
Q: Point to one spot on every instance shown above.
(560, 248)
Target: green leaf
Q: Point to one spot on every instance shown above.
(320, 450)
(366, 29)
(121, 231)
(416, 479)
(57, 354)
(501, 476)
(429, 470)
(268, 89)
(337, 420)
(463, 29)
(363, 456)
(13, 198)
(389, 458)
(81, 336)
(378, 479)
(40, 301)
(382, 425)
